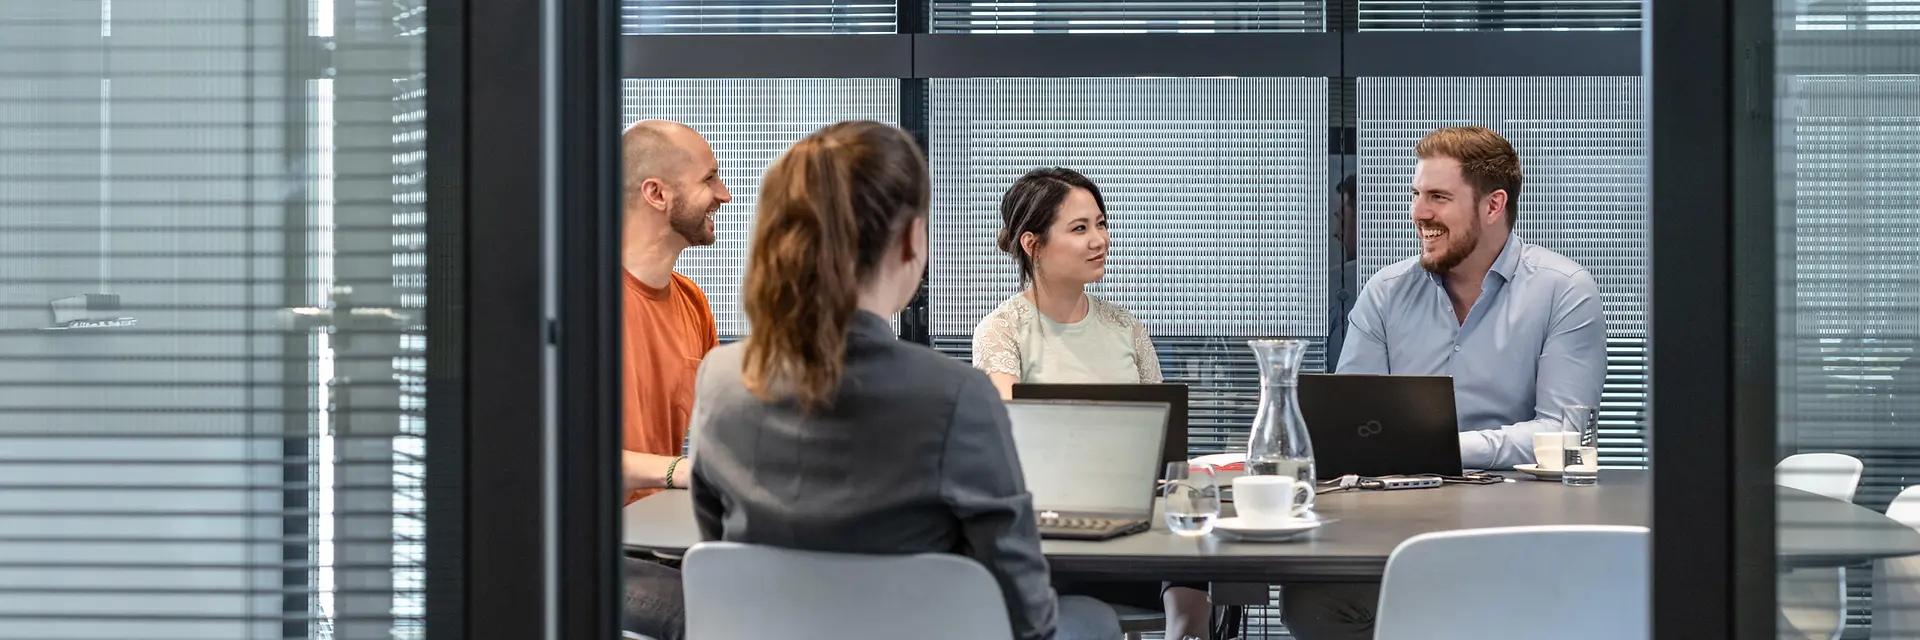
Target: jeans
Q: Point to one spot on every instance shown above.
(1084, 618)
(655, 606)
(1339, 611)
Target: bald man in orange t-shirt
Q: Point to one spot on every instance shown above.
(672, 185)
(672, 188)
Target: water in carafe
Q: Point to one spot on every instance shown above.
(1278, 443)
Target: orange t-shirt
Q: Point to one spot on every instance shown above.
(666, 332)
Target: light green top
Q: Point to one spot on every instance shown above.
(1108, 346)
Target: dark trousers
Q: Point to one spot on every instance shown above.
(1333, 611)
(655, 606)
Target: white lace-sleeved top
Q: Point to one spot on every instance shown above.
(1108, 346)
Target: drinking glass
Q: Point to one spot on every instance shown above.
(1192, 498)
(1581, 449)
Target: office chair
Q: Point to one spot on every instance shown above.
(1813, 602)
(817, 595)
(1563, 582)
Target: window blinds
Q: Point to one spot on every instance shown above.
(1848, 153)
(749, 123)
(1215, 190)
(176, 173)
(1582, 148)
(1216, 193)
(1499, 15)
(1127, 16)
(719, 17)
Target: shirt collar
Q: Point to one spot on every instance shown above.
(1509, 260)
(1505, 265)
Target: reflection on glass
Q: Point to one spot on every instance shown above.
(188, 196)
(1848, 161)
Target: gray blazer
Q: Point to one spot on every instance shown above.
(914, 455)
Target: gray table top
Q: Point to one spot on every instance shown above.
(1364, 527)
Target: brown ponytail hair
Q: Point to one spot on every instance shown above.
(828, 209)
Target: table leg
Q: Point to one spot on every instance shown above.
(1245, 594)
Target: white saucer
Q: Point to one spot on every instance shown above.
(1537, 472)
(1238, 529)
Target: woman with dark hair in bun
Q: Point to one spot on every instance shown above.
(1054, 332)
(1054, 224)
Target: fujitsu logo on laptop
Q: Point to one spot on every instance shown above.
(1371, 428)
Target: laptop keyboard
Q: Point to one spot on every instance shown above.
(1077, 524)
(1053, 525)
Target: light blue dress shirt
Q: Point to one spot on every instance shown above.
(1534, 342)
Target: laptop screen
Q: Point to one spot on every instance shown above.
(1089, 456)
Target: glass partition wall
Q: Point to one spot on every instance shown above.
(1220, 134)
(213, 319)
(1846, 157)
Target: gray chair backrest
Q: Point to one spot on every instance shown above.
(750, 591)
(1560, 582)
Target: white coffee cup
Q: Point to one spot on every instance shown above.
(1266, 498)
(1548, 449)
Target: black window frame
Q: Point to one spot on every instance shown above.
(522, 486)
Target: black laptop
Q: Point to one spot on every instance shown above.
(1173, 448)
(1381, 425)
(1090, 466)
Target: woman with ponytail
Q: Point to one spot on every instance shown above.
(823, 431)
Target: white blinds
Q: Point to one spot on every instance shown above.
(400, 94)
(1499, 15)
(1127, 16)
(1850, 15)
(715, 17)
(1215, 189)
(749, 123)
(173, 174)
(1850, 325)
(1582, 148)
(1847, 141)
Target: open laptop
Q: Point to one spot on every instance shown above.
(1381, 425)
(1173, 449)
(1091, 466)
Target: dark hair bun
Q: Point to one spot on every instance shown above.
(1030, 204)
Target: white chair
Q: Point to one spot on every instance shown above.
(1813, 602)
(750, 591)
(1563, 582)
(1896, 581)
(1833, 475)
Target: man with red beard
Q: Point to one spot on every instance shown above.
(1517, 326)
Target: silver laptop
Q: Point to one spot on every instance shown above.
(1090, 465)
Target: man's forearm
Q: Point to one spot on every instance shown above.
(1503, 447)
(649, 471)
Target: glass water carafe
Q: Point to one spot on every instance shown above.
(1278, 444)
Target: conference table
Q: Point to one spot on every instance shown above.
(1363, 527)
